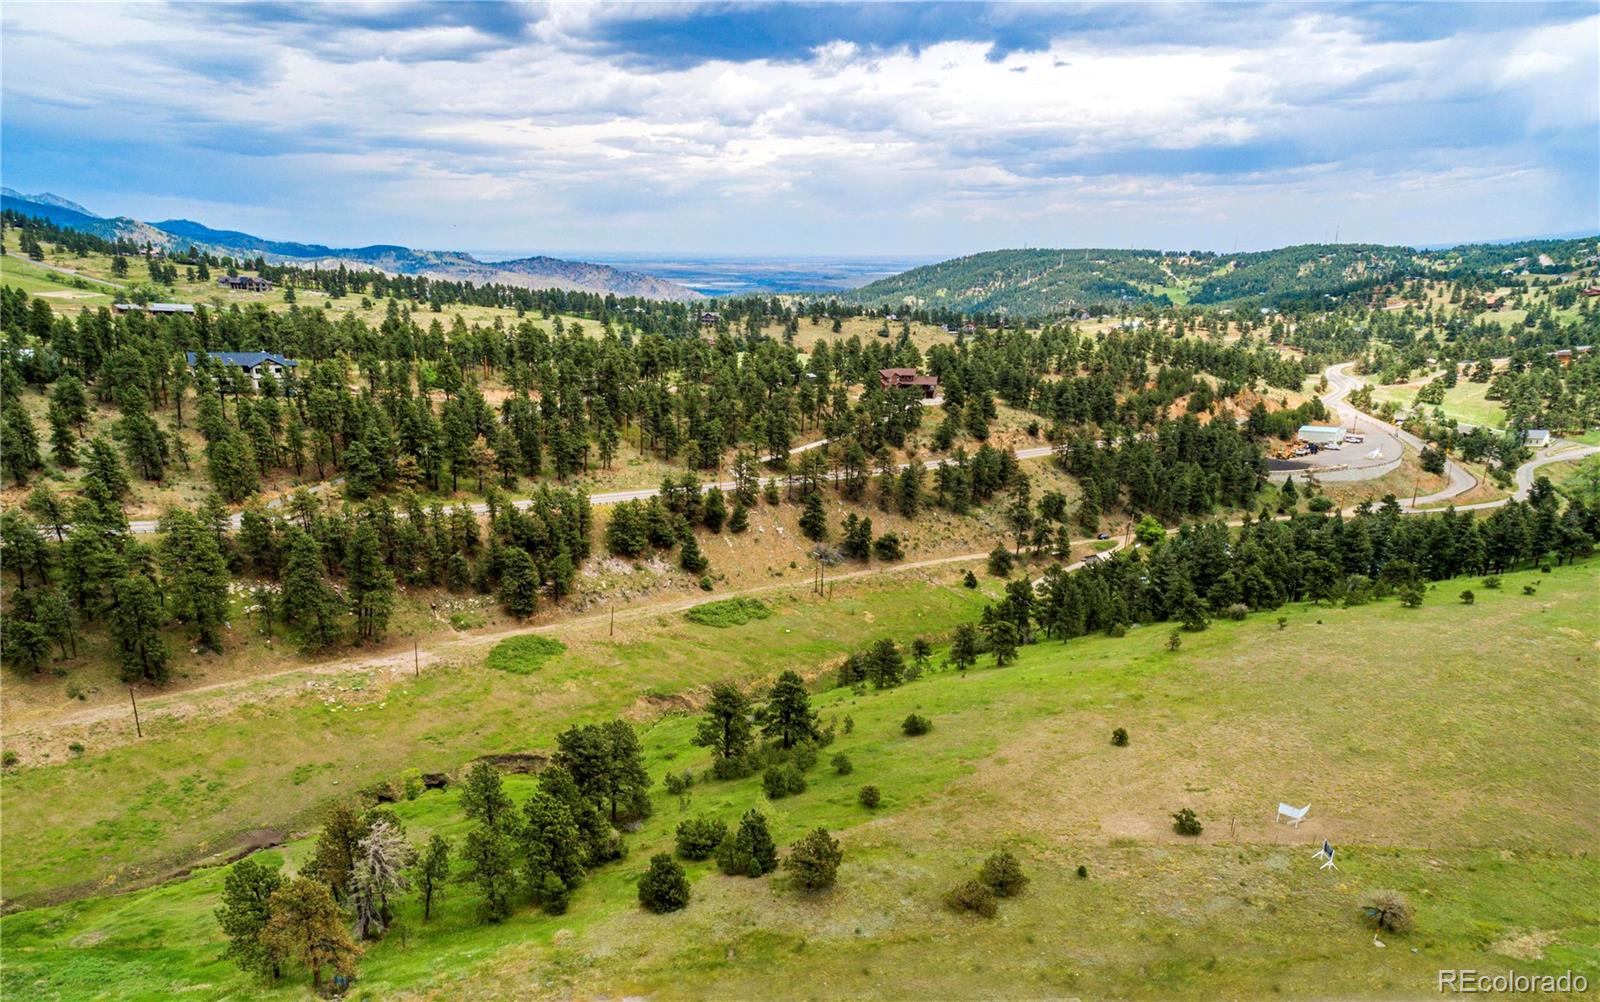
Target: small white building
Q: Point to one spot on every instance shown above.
(1320, 434)
(1536, 438)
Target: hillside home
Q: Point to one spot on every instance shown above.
(1536, 438)
(254, 364)
(909, 379)
(244, 283)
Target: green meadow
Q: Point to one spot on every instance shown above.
(1448, 752)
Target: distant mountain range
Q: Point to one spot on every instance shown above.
(530, 272)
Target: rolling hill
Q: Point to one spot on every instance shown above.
(1049, 281)
(531, 272)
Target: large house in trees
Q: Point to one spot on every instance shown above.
(891, 379)
(244, 283)
(254, 364)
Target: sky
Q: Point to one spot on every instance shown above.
(831, 129)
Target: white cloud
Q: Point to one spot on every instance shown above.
(447, 118)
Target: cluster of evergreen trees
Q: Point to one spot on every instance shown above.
(1210, 570)
(362, 863)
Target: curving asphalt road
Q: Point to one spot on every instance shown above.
(1341, 383)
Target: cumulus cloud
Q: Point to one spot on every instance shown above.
(904, 128)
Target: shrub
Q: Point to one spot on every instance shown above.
(1320, 503)
(664, 887)
(781, 780)
(1283, 622)
(916, 724)
(1411, 594)
(969, 580)
(971, 896)
(804, 755)
(698, 838)
(554, 895)
(679, 783)
(728, 612)
(1000, 562)
(1174, 640)
(1237, 611)
(75, 691)
(75, 748)
(1002, 874)
(814, 860)
(1389, 910)
(1492, 582)
(749, 851)
(705, 582)
(1467, 598)
(1529, 589)
(869, 797)
(849, 723)
(736, 767)
(411, 784)
(1185, 823)
(1083, 872)
(523, 655)
(1119, 737)
(9, 759)
(842, 765)
(887, 547)
(1117, 630)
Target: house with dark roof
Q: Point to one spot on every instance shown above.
(893, 379)
(254, 364)
(244, 283)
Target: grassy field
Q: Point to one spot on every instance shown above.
(1465, 402)
(1486, 825)
(193, 784)
(63, 291)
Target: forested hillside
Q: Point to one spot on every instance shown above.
(1056, 281)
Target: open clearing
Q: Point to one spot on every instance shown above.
(1449, 752)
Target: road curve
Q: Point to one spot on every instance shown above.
(1340, 385)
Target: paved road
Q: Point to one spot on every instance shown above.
(1461, 481)
(1388, 437)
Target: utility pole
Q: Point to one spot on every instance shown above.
(416, 659)
(137, 727)
(613, 620)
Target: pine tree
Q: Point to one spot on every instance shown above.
(196, 576)
(307, 600)
(431, 873)
(749, 851)
(307, 926)
(814, 520)
(19, 444)
(552, 851)
(370, 585)
(246, 908)
(104, 466)
(787, 715)
(136, 626)
(885, 666)
(607, 764)
(519, 582)
(726, 728)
